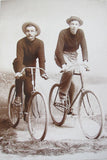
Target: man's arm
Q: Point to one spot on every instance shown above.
(18, 62)
(41, 57)
(84, 52)
(84, 47)
(42, 61)
(59, 48)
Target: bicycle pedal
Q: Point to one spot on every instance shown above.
(17, 105)
(26, 113)
(25, 116)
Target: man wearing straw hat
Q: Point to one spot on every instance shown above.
(68, 43)
(29, 49)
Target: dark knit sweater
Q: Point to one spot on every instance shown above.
(70, 43)
(28, 52)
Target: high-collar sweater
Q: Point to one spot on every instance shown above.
(29, 51)
(70, 43)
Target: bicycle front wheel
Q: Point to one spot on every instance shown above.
(57, 110)
(13, 112)
(37, 117)
(90, 115)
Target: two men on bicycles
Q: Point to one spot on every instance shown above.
(29, 49)
(66, 54)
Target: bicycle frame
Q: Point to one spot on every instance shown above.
(80, 90)
(36, 115)
(32, 73)
(33, 84)
(77, 95)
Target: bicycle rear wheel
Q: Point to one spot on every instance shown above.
(90, 115)
(13, 112)
(57, 110)
(37, 117)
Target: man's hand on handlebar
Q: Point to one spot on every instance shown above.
(86, 65)
(18, 75)
(64, 68)
(75, 67)
(44, 76)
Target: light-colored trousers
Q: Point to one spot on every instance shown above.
(66, 83)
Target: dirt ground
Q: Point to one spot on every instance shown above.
(61, 143)
(64, 142)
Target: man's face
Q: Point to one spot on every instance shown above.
(74, 25)
(31, 33)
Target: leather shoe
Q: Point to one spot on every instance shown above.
(26, 116)
(70, 112)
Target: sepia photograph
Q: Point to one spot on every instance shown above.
(53, 79)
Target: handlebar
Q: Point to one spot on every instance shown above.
(20, 74)
(74, 67)
(32, 68)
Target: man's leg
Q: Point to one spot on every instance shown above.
(71, 92)
(27, 97)
(18, 84)
(28, 88)
(65, 84)
(71, 96)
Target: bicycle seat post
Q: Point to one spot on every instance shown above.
(82, 81)
(81, 78)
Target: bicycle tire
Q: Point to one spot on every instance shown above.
(37, 117)
(58, 113)
(91, 116)
(13, 113)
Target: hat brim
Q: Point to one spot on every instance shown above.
(33, 24)
(74, 18)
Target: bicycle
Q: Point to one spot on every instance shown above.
(37, 112)
(90, 113)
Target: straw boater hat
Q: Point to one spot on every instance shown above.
(33, 24)
(72, 18)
